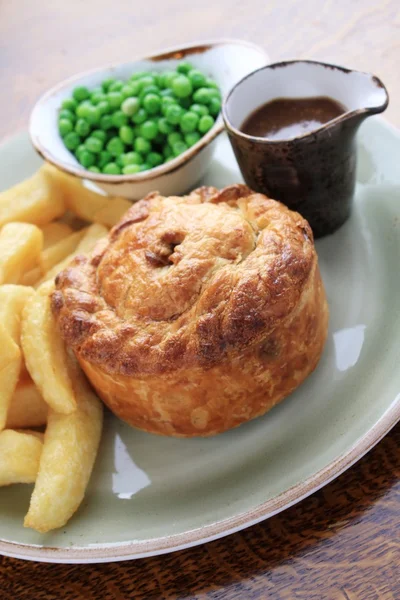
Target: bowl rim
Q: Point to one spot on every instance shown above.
(166, 168)
(290, 63)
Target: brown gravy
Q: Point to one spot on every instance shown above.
(286, 118)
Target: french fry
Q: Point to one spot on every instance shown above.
(19, 456)
(20, 247)
(46, 358)
(54, 233)
(27, 407)
(85, 203)
(59, 240)
(69, 452)
(31, 277)
(36, 200)
(60, 250)
(12, 301)
(10, 351)
(111, 213)
(10, 367)
(78, 199)
(92, 235)
(73, 221)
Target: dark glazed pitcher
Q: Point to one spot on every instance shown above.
(313, 173)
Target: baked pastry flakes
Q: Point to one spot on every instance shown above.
(196, 313)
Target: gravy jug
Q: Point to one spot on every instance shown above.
(314, 172)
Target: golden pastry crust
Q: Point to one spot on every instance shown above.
(196, 313)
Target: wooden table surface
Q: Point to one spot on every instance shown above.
(344, 541)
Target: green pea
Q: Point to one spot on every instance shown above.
(119, 161)
(94, 169)
(140, 117)
(178, 148)
(131, 158)
(159, 80)
(127, 91)
(131, 169)
(103, 107)
(168, 77)
(205, 123)
(199, 109)
(154, 159)
(87, 158)
(149, 130)
(66, 114)
(126, 134)
(138, 75)
(99, 134)
(93, 115)
(214, 93)
(145, 167)
(202, 95)
(106, 122)
(167, 93)
(98, 97)
(197, 79)
(94, 145)
(215, 106)
(115, 99)
(192, 138)
(174, 137)
(184, 67)
(167, 101)
(181, 86)
(146, 81)
(149, 89)
(65, 126)
(152, 103)
(119, 119)
(164, 126)
(83, 109)
(189, 122)
(173, 114)
(104, 158)
(141, 145)
(167, 151)
(82, 127)
(116, 86)
(135, 87)
(79, 150)
(80, 93)
(111, 169)
(97, 90)
(115, 146)
(69, 104)
(211, 83)
(107, 83)
(169, 158)
(130, 106)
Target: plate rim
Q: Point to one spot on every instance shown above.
(195, 537)
(113, 552)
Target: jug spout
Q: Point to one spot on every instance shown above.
(361, 94)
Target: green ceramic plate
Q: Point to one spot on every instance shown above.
(150, 495)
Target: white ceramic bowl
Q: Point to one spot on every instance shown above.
(226, 61)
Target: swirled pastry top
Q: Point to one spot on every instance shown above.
(184, 281)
